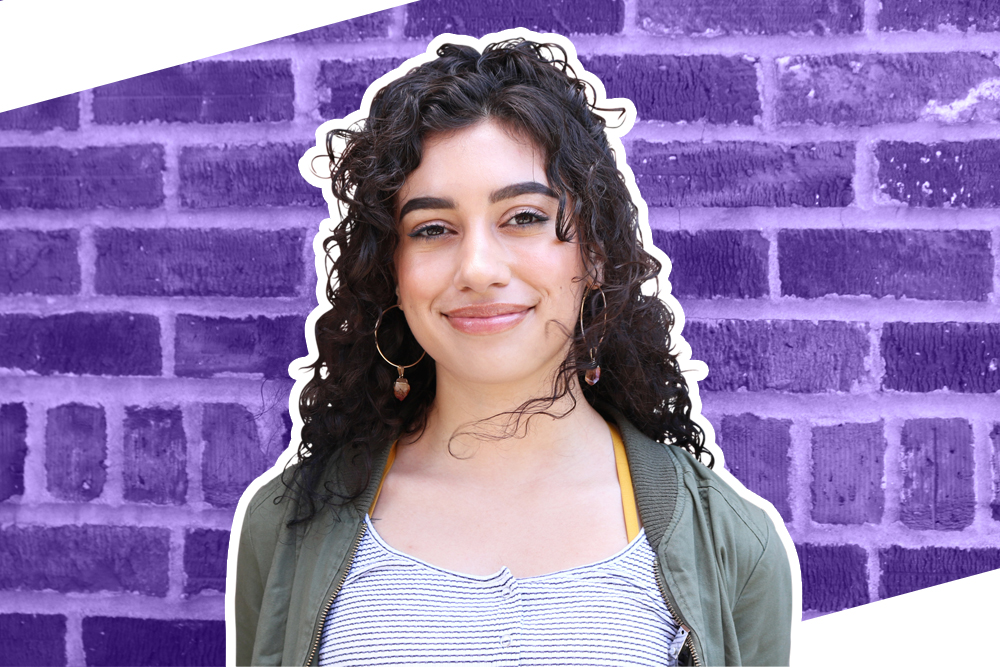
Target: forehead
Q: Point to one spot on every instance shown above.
(486, 154)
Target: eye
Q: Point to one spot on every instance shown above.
(427, 231)
(527, 217)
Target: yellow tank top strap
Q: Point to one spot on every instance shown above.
(625, 482)
(388, 464)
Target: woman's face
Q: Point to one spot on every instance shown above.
(488, 290)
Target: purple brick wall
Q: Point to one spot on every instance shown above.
(824, 182)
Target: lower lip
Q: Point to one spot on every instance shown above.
(487, 325)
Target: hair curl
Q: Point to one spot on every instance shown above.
(347, 407)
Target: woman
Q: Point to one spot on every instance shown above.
(461, 496)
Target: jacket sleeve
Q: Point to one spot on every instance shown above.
(763, 611)
(248, 595)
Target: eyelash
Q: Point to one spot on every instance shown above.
(535, 218)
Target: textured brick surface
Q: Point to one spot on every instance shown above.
(61, 112)
(231, 91)
(924, 356)
(121, 177)
(208, 345)
(13, 449)
(834, 577)
(205, 554)
(949, 173)
(726, 263)
(713, 89)
(117, 642)
(995, 504)
(907, 570)
(432, 17)
(76, 444)
(81, 343)
(944, 15)
(233, 456)
(238, 176)
(848, 463)
(952, 265)
(756, 453)
(341, 84)
(795, 356)
(155, 456)
(751, 17)
(743, 173)
(39, 262)
(84, 558)
(197, 262)
(861, 89)
(938, 488)
(353, 30)
(32, 639)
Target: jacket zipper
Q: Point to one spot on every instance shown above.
(689, 640)
(329, 602)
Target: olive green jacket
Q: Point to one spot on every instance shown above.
(722, 567)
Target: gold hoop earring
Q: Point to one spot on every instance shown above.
(593, 373)
(402, 386)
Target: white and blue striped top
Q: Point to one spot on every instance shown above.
(394, 609)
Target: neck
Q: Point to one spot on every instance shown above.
(507, 446)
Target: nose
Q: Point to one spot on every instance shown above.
(483, 260)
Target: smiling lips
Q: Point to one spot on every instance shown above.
(487, 318)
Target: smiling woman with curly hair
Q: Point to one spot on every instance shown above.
(498, 460)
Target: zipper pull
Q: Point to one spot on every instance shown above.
(677, 645)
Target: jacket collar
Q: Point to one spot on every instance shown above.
(654, 476)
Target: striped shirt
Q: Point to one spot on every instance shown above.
(394, 609)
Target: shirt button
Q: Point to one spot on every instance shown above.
(505, 641)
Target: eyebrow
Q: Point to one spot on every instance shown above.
(506, 192)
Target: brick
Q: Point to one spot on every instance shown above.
(230, 91)
(61, 112)
(751, 17)
(791, 355)
(233, 456)
(13, 449)
(76, 445)
(756, 453)
(341, 84)
(834, 576)
(934, 15)
(861, 89)
(245, 176)
(925, 356)
(848, 463)
(209, 345)
(113, 642)
(155, 469)
(717, 263)
(32, 639)
(433, 17)
(86, 558)
(711, 89)
(995, 504)
(205, 555)
(937, 468)
(949, 265)
(39, 262)
(743, 173)
(81, 343)
(962, 174)
(908, 570)
(370, 26)
(199, 262)
(120, 177)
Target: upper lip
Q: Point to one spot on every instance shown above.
(487, 310)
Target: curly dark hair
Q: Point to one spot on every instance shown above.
(347, 407)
